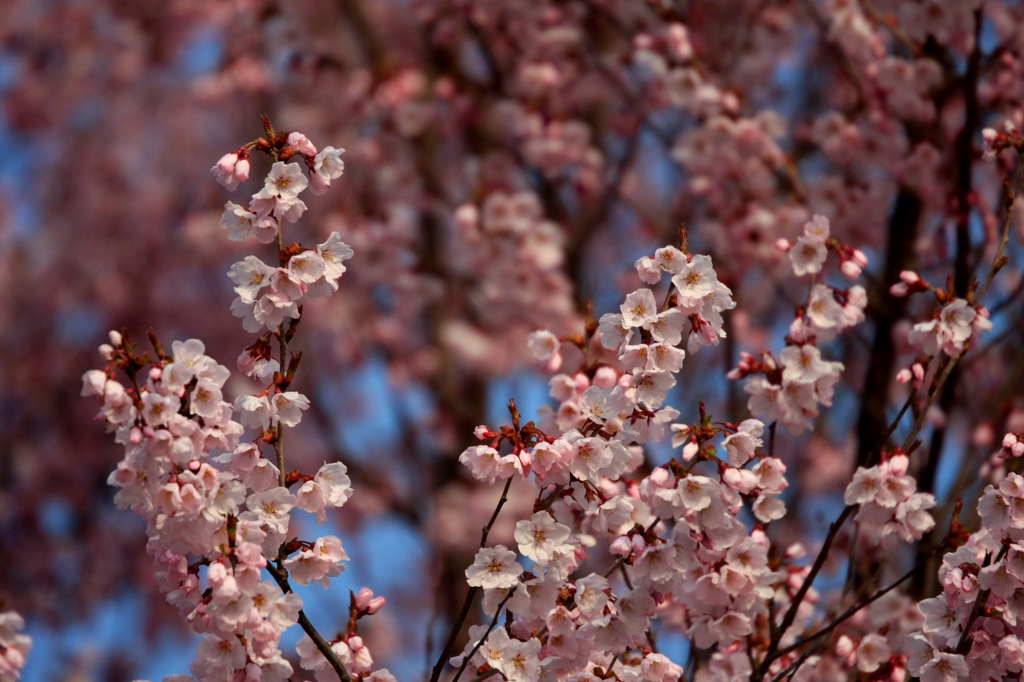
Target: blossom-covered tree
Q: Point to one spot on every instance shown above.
(849, 270)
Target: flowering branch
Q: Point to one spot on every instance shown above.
(471, 595)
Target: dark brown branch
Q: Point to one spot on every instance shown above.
(787, 620)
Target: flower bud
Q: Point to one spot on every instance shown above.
(242, 170)
(106, 351)
(605, 377)
(367, 603)
(115, 338)
(226, 164)
(844, 647)
(620, 546)
(910, 277)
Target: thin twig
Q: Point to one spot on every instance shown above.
(857, 606)
(787, 620)
(470, 596)
(281, 576)
(494, 621)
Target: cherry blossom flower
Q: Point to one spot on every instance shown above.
(494, 567)
(542, 537)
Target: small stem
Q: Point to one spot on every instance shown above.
(494, 621)
(1005, 237)
(279, 435)
(946, 368)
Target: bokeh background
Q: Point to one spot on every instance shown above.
(603, 125)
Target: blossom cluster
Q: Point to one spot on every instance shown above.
(218, 510)
(888, 506)
(974, 629)
(790, 388)
(676, 532)
(308, 273)
(207, 495)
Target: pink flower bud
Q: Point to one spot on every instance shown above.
(115, 338)
(1017, 450)
(483, 432)
(242, 170)
(904, 376)
(106, 351)
(783, 245)
(466, 218)
(525, 458)
(859, 258)
(606, 377)
(899, 290)
(850, 269)
(844, 647)
(1009, 440)
(135, 435)
(216, 574)
(363, 598)
(910, 277)
(639, 544)
(155, 373)
(620, 546)
(659, 477)
(918, 369)
(690, 451)
(226, 164)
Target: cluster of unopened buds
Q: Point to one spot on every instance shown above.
(219, 511)
(1013, 445)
